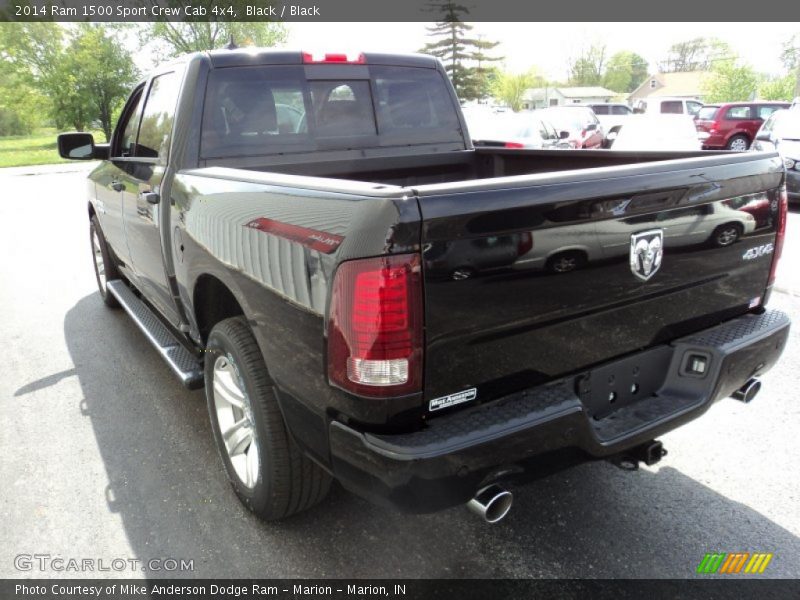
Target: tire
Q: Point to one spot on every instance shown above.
(270, 474)
(105, 269)
(566, 262)
(738, 143)
(726, 235)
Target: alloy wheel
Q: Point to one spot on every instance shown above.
(235, 420)
(99, 264)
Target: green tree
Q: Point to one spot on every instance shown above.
(509, 88)
(698, 54)
(730, 82)
(104, 72)
(464, 57)
(791, 60)
(588, 67)
(625, 71)
(34, 53)
(83, 73)
(168, 38)
(781, 88)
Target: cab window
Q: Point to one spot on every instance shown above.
(155, 131)
(128, 126)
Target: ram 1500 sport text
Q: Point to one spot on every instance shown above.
(366, 297)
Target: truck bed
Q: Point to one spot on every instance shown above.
(417, 168)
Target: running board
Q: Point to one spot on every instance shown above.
(180, 359)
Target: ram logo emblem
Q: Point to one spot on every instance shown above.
(647, 250)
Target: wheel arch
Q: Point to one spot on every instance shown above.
(581, 249)
(213, 301)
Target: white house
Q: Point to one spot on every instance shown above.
(561, 96)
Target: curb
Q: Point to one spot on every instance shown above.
(51, 169)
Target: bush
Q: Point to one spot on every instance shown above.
(12, 123)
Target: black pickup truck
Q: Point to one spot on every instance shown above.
(367, 297)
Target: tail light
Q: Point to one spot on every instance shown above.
(333, 57)
(375, 326)
(514, 145)
(525, 243)
(783, 209)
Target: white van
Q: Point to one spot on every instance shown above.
(667, 105)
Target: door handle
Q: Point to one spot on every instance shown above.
(150, 197)
(117, 186)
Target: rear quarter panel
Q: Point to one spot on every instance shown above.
(283, 282)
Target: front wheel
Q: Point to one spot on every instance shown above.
(105, 269)
(268, 472)
(738, 143)
(726, 235)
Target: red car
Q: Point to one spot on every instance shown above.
(583, 127)
(733, 125)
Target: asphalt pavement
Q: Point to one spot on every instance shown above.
(105, 456)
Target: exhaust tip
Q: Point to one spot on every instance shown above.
(492, 503)
(748, 391)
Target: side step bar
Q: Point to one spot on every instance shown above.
(180, 359)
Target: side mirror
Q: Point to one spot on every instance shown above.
(611, 136)
(764, 136)
(562, 135)
(76, 146)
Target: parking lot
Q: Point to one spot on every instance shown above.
(107, 456)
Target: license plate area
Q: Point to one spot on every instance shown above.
(607, 388)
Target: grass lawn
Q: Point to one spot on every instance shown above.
(36, 149)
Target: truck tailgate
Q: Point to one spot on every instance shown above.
(533, 277)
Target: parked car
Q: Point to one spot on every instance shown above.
(581, 124)
(667, 105)
(655, 132)
(733, 125)
(611, 114)
(716, 225)
(528, 129)
(781, 132)
(284, 271)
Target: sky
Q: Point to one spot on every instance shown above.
(549, 46)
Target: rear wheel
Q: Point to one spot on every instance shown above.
(105, 269)
(268, 472)
(564, 262)
(738, 143)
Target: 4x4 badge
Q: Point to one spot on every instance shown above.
(647, 249)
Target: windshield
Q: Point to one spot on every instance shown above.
(566, 118)
(261, 110)
(787, 125)
(707, 113)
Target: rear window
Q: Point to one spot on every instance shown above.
(672, 107)
(707, 113)
(252, 111)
